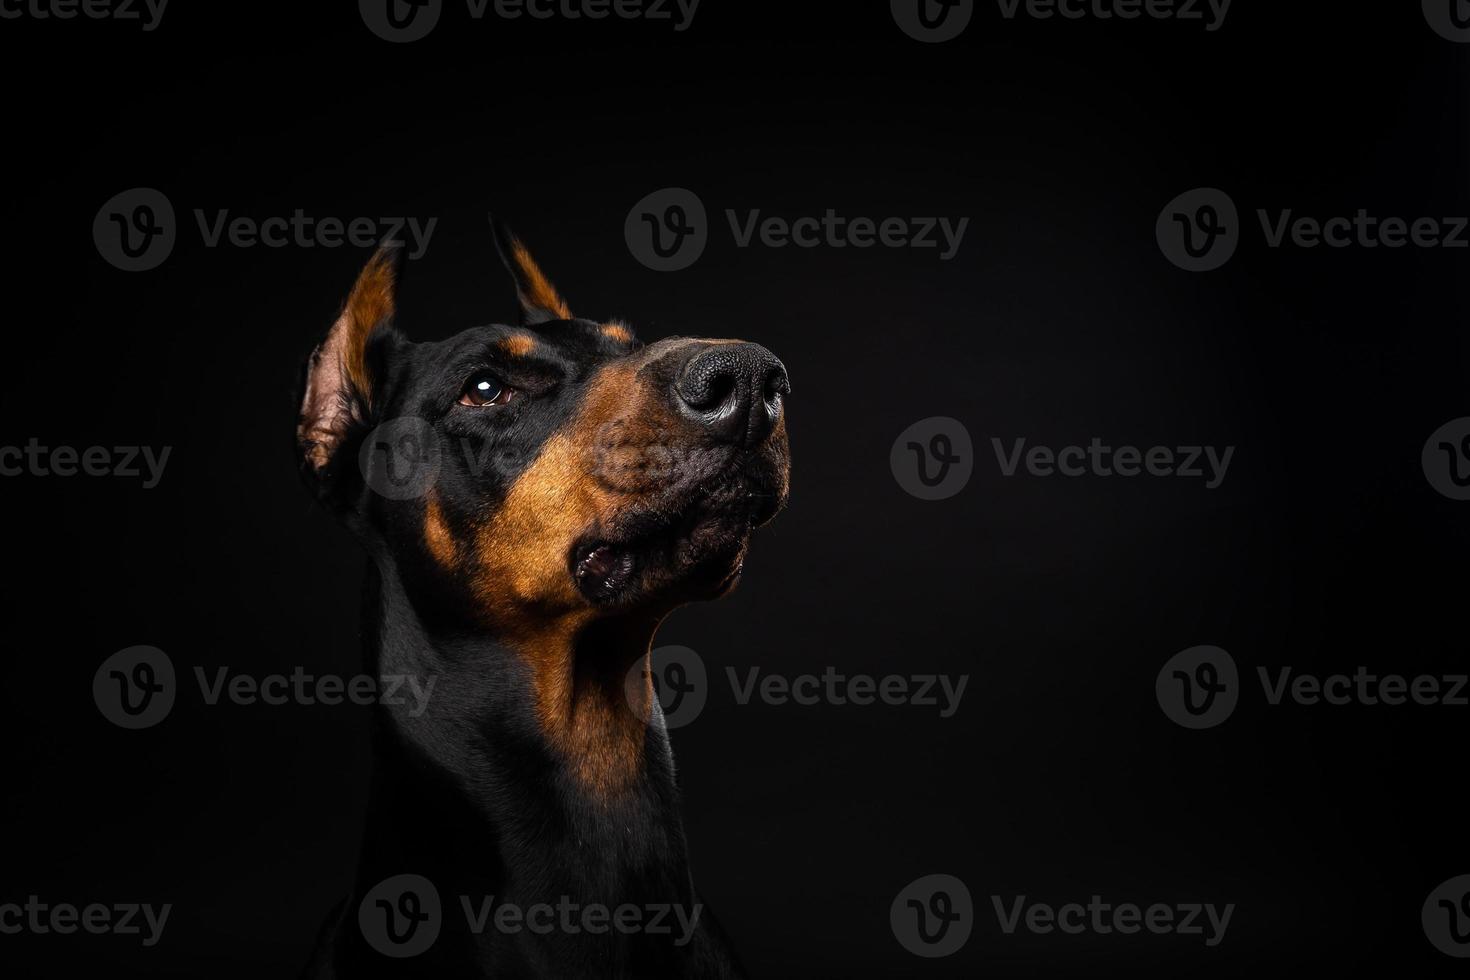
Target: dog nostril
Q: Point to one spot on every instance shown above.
(734, 391)
(777, 386)
(711, 392)
(706, 381)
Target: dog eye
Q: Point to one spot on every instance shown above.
(485, 389)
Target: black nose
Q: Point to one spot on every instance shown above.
(735, 391)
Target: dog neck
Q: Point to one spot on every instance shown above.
(534, 770)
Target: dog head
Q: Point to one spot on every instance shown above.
(557, 467)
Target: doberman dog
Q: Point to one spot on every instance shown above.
(585, 485)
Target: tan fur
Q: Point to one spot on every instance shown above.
(437, 536)
(523, 585)
(369, 305)
(518, 345)
(586, 474)
(338, 368)
(536, 291)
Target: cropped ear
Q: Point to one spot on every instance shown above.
(540, 301)
(339, 385)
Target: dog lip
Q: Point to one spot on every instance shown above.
(608, 570)
(602, 570)
(686, 536)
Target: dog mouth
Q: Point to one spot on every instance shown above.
(604, 570)
(689, 551)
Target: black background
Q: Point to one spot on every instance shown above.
(1060, 320)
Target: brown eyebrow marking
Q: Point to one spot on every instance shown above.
(518, 345)
(614, 330)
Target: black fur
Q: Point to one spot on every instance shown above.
(471, 795)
